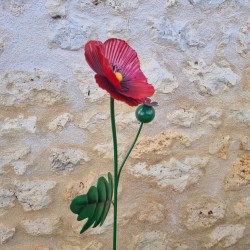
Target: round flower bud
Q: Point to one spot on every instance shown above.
(145, 113)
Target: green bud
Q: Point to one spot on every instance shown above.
(145, 113)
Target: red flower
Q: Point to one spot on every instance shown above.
(118, 70)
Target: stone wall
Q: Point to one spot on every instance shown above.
(187, 183)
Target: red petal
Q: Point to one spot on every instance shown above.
(120, 54)
(137, 89)
(97, 61)
(93, 56)
(105, 84)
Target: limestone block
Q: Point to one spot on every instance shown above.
(87, 4)
(11, 155)
(20, 167)
(19, 124)
(21, 88)
(225, 235)
(152, 213)
(66, 159)
(160, 144)
(243, 46)
(42, 226)
(211, 80)
(150, 240)
(7, 197)
(246, 79)
(170, 3)
(56, 7)
(34, 195)
(123, 120)
(181, 34)
(175, 174)
(206, 5)
(198, 33)
(220, 147)
(91, 245)
(1, 47)
(240, 115)
(105, 150)
(60, 122)
(163, 80)
(245, 143)
(212, 116)
(119, 29)
(6, 234)
(165, 31)
(203, 213)
(122, 6)
(242, 208)
(182, 117)
(239, 175)
(89, 120)
(84, 76)
(71, 35)
(15, 7)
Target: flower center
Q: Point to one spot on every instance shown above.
(118, 76)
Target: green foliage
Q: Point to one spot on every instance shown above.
(95, 204)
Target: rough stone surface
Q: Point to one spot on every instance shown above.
(220, 147)
(225, 235)
(240, 115)
(160, 144)
(6, 234)
(242, 208)
(210, 80)
(71, 36)
(20, 124)
(34, 195)
(176, 174)
(239, 175)
(122, 6)
(6, 199)
(11, 155)
(15, 7)
(212, 116)
(244, 41)
(87, 85)
(163, 80)
(245, 143)
(149, 240)
(42, 226)
(56, 8)
(184, 118)
(60, 122)
(204, 213)
(66, 159)
(90, 120)
(22, 88)
(154, 212)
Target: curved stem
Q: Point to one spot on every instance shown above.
(129, 151)
(112, 113)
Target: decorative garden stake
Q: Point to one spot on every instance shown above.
(118, 72)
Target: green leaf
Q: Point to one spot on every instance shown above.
(95, 204)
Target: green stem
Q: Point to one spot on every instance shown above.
(129, 151)
(112, 113)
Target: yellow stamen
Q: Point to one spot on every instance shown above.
(118, 76)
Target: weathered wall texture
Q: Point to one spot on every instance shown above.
(186, 185)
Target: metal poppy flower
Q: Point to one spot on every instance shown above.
(118, 70)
